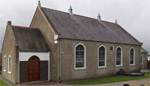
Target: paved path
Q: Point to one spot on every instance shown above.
(131, 83)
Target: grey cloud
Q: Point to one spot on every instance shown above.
(133, 15)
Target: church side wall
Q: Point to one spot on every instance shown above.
(92, 70)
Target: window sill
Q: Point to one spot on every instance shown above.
(9, 72)
(100, 67)
(83, 68)
(118, 65)
(4, 70)
(132, 64)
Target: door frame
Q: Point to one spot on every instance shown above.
(24, 56)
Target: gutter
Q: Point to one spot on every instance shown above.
(140, 56)
(59, 40)
(17, 65)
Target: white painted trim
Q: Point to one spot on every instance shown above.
(141, 60)
(4, 63)
(133, 57)
(75, 57)
(4, 70)
(105, 66)
(121, 56)
(25, 56)
(9, 70)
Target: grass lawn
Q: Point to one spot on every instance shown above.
(109, 79)
(2, 83)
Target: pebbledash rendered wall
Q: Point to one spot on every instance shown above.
(92, 70)
(144, 57)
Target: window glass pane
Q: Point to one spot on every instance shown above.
(4, 63)
(111, 48)
(102, 56)
(79, 56)
(9, 64)
(79, 64)
(118, 56)
(132, 56)
(131, 61)
(101, 63)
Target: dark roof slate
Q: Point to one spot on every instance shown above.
(85, 28)
(29, 39)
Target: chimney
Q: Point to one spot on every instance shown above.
(116, 21)
(99, 17)
(9, 23)
(70, 10)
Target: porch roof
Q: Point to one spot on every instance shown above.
(29, 39)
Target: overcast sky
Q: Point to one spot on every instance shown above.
(132, 15)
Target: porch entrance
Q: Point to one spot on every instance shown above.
(34, 69)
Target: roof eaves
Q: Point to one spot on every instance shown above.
(101, 41)
(34, 51)
(24, 27)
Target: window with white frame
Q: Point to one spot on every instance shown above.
(80, 56)
(102, 57)
(4, 63)
(9, 64)
(132, 56)
(141, 60)
(118, 56)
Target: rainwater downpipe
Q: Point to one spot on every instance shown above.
(140, 56)
(59, 40)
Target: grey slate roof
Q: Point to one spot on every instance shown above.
(29, 39)
(85, 28)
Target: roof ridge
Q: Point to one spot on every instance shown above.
(52, 15)
(78, 15)
(24, 27)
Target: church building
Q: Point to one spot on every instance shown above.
(61, 46)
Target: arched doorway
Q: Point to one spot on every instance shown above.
(34, 69)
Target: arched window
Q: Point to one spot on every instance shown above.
(132, 56)
(80, 56)
(119, 56)
(102, 56)
(9, 64)
(4, 63)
